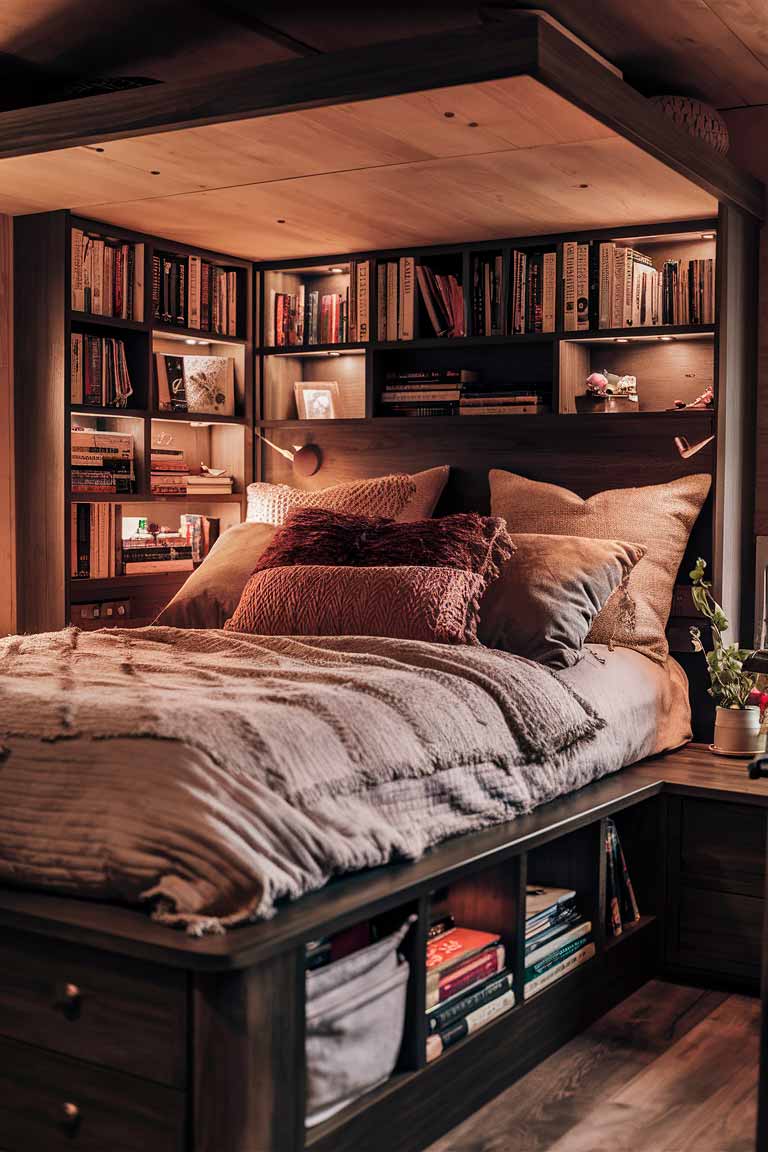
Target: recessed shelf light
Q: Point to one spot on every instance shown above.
(336, 271)
(666, 338)
(621, 340)
(334, 353)
(709, 235)
(189, 340)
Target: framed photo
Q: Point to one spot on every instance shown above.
(317, 399)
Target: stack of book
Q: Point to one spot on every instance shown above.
(95, 544)
(102, 462)
(688, 292)
(207, 484)
(396, 299)
(107, 276)
(621, 905)
(99, 371)
(163, 552)
(533, 292)
(432, 392)
(168, 472)
(487, 294)
(193, 293)
(557, 937)
(467, 983)
(311, 316)
(443, 297)
(201, 532)
(500, 400)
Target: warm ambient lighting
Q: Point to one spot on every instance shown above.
(336, 271)
(621, 340)
(666, 337)
(188, 341)
(709, 235)
(333, 353)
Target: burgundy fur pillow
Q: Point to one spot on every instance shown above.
(473, 543)
(404, 603)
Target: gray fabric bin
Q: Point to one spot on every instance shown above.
(355, 1021)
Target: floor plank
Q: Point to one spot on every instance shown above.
(672, 1069)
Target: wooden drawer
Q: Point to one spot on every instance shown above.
(723, 846)
(111, 1010)
(720, 933)
(114, 1112)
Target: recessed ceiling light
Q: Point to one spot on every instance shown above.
(336, 270)
(621, 340)
(709, 235)
(334, 353)
(190, 341)
(666, 338)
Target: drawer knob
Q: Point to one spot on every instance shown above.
(71, 993)
(71, 1114)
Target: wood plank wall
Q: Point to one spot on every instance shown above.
(7, 496)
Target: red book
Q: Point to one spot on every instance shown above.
(479, 968)
(452, 950)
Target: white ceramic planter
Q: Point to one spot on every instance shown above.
(738, 730)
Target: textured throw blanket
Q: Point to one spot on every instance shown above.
(213, 774)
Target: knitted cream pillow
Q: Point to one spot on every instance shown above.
(398, 497)
(659, 517)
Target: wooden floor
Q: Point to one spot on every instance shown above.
(672, 1069)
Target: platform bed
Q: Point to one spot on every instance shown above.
(121, 1033)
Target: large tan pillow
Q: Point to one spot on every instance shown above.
(659, 517)
(398, 497)
(213, 591)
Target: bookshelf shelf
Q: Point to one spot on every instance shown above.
(704, 415)
(201, 337)
(109, 410)
(203, 498)
(629, 930)
(330, 350)
(86, 318)
(658, 332)
(197, 418)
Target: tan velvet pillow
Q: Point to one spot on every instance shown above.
(659, 516)
(404, 603)
(213, 591)
(398, 497)
(544, 602)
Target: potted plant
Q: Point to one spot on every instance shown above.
(738, 715)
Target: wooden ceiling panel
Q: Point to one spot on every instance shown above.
(515, 192)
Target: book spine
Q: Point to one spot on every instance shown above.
(629, 284)
(97, 277)
(76, 369)
(582, 288)
(135, 567)
(77, 240)
(156, 286)
(392, 301)
(407, 297)
(193, 307)
(232, 303)
(381, 301)
(619, 274)
(479, 968)
(532, 970)
(549, 291)
(363, 302)
(570, 313)
(441, 1017)
(573, 961)
(606, 285)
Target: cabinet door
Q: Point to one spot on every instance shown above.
(717, 853)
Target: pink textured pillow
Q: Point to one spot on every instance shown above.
(382, 496)
(315, 536)
(406, 603)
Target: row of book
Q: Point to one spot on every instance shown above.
(102, 462)
(396, 299)
(611, 285)
(107, 276)
(191, 292)
(533, 295)
(98, 550)
(309, 316)
(455, 392)
(558, 937)
(99, 373)
(170, 475)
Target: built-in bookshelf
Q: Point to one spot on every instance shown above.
(507, 314)
(128, 312)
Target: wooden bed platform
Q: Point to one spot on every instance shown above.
(165, 1042)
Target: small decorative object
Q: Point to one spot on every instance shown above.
(206, 471)
(687, 450)
(607, 392)
(317, 399)
(697, 119)
(705, 400)
(738, 727)
(204, 384)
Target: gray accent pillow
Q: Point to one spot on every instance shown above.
(549, 592)
(213, 591)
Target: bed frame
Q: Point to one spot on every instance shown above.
(118, 1033)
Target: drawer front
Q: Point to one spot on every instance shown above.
(720, 933)
(107, 1009)
(723, 846)
(51, 1103)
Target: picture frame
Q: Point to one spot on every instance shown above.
(317, 399)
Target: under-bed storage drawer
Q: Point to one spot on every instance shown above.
(110, 1010)
(722, 846)
(50, 1103)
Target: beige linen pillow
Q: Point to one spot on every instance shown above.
(398, 497)
(659, 517)
(213, 591)
(549, 592)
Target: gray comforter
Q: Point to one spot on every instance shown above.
(212, 773)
